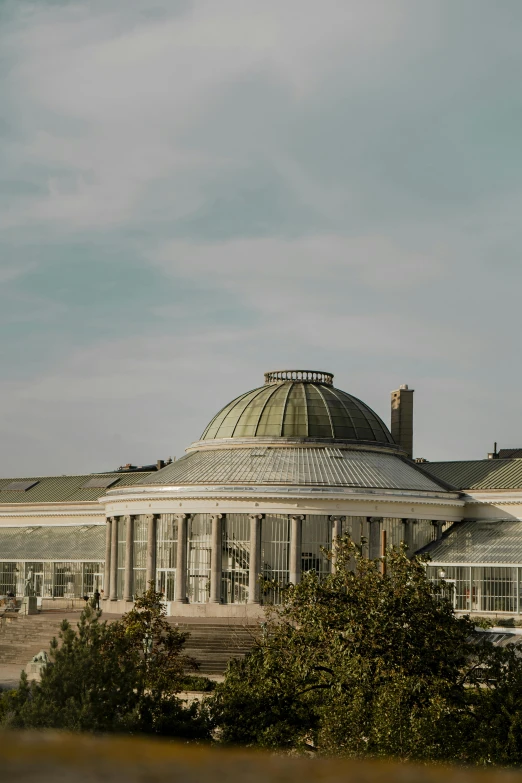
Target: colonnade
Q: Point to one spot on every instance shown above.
(375, 546)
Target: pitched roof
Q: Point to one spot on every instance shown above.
(64, 489)
(509, 453)
(297, 466)
(479, 542)
(478, 474)
(61, 542)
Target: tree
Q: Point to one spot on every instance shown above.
(370, 661)
(122, 676)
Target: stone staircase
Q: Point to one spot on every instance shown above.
(211, 644)
(22, 636)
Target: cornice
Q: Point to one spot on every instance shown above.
(47, 514)
(492, 497)
(285, 442)
(281, 493)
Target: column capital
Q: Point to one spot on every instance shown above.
(183, 516)
(298, 517)
(256, 516)
(337, 518)
(217, 516)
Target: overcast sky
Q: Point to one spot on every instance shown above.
(192, 193)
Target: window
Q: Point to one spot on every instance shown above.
(8, 574)
(316, 534)
(275, 548)
(166, 555)
(235, 559)
(139, 554)
(199, 550)
(121, 538)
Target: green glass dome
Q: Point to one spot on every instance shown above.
(298, 404)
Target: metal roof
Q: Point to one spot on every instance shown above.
(298, 408)
(82, 542)
(478, 474)
(479, 542)
(65, 489)
(297, 466)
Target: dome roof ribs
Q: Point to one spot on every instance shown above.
(290, 387)
(337, 396)
(269, 397)
(298, 404)
(319, 392)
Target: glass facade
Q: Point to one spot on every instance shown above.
(8, 577)
(316, 535)
(50, 579)
(275, 553)
(122, 546)
(139, 554)
(166, 555)
(476, 588)
(199, 537)
(235, 559)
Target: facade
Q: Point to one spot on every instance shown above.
(482, 554)
(276, 475)
(52, 536)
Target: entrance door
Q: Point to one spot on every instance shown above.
(166, 583)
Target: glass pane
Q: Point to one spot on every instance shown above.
(199, 551)
(275, 548)
(121, 533)
(316, 534)
(235, 559)
(141, 526)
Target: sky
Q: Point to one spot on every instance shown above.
(193, 193)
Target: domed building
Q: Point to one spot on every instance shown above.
(277, 474)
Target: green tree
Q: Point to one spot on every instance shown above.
(369, 661)
(122, 676)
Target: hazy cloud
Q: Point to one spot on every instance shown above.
(194, 192)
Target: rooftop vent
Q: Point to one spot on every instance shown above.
(304, 376)
(19, 486)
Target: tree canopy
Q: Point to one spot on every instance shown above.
(372, 660)
(122, 676)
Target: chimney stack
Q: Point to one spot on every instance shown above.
(402, 418)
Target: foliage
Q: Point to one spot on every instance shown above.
(371, 663)
(122, 676)
(195, 683)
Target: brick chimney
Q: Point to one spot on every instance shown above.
(402, 418)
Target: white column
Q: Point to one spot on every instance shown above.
(216, 558)
(337, 529)
(296, 536)
(181, 559)
(254, 570)
(151, 551)
(129, 552)
(107, 569)
(114, 560)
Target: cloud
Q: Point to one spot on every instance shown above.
(194, 192)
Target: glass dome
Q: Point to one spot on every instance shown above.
(298, 404)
